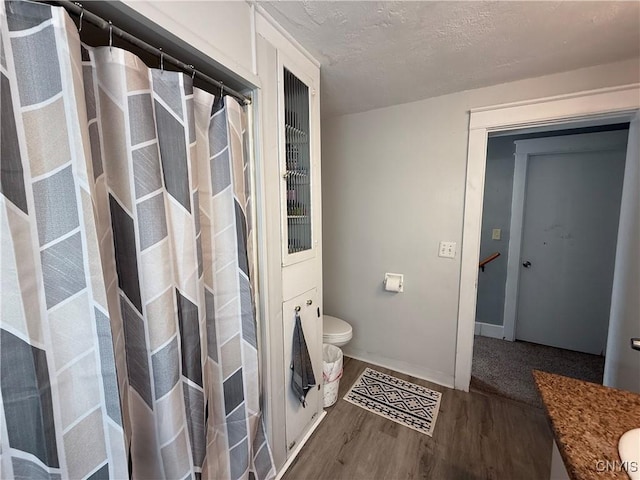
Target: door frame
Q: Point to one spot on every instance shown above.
(615, 103)
(579, 143)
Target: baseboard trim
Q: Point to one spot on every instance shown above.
(489, 330)
(296, 451)
(417, 371)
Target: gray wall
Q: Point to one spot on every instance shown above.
(393, 187)
(496, 213)
(622, 369)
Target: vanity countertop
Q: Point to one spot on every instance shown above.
(588, 420)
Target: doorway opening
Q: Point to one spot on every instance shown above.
(589, 108)
(547, 248)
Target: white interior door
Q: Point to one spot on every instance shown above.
(569, 231)
(298, 417)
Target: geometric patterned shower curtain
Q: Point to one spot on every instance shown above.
(128, 335)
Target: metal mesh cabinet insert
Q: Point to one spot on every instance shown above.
(297, 164)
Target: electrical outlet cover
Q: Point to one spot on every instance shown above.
(447, 250)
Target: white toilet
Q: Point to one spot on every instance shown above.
(335, 331)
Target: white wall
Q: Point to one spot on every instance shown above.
(223, 30)
(393, 187)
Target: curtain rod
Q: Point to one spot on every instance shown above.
(79, 10)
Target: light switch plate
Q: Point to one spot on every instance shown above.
(447, 250)
(496, 233)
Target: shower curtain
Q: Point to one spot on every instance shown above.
(128, 345)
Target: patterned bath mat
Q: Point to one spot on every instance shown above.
(403, 402)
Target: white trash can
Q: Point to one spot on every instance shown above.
(331, 372)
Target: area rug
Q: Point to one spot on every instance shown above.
(403, 402)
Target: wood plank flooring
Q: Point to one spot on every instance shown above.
(476, 437)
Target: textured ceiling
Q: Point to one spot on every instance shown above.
(375, 54)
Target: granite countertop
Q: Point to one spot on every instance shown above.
(588, 421)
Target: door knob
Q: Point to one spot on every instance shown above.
(526, 264)
(309, 302)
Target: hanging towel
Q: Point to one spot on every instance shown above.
(302, 370)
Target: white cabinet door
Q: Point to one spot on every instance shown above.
(298, 418)
(299, 151)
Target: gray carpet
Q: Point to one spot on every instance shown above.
(504, 368)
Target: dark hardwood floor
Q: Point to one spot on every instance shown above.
(476, 437)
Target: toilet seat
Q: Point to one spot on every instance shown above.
(335, 330)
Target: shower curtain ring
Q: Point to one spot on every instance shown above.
(161, 60)
(221, 90)
(193, 72)
(81, 16)
(110, 36)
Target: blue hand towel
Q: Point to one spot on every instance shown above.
(302, 370)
